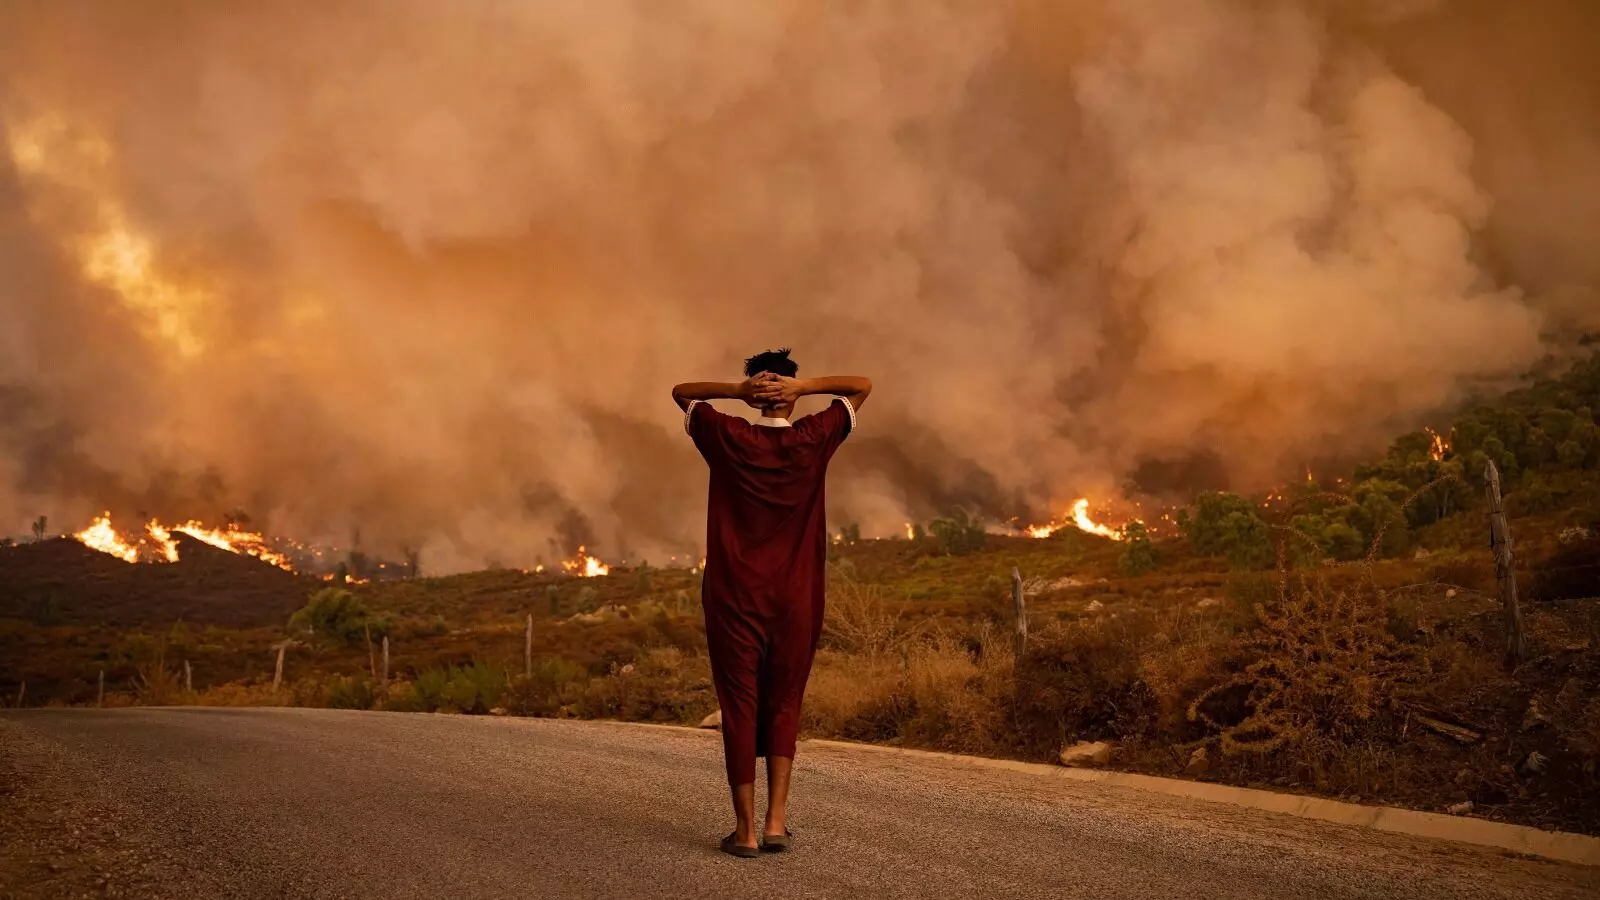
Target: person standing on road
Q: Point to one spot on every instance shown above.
(764, 580)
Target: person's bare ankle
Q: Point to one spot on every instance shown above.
(774, 827)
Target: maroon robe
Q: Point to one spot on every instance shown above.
(764, 580)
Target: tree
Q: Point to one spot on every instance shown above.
(39, 527)
(850, 533)
(1225, 524)
(1139, 556)
(336, 614)
(960, 534)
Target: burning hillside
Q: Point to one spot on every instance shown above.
(156, 542)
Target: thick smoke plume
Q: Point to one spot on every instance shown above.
(428, 269)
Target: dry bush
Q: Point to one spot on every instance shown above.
(663, 685)
(859, 619)
(1322, 666)
(155, 684)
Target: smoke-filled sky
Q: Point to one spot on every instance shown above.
(430, 268)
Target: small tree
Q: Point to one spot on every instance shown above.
(960, 534)
(335, 613)
(1139, 557)
(850, 533)
(40, 525)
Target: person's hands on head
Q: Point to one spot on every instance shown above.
(751, 387)
(777, 391)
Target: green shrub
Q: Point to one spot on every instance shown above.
(336, 614)
(355, 692)
(1227, 525)
(1139, 557)
(554, 683)
(960, 534)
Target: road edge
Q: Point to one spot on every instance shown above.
(1563, 846)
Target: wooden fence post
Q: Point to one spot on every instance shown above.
(1505, 570)
(385, 676)
(277, 673)
(100, 699)
(1021, 637)
(527, 649)
(188, 678)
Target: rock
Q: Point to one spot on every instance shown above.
(627, 669)
(1094, 606)
(1460, 809)
(1450, 594)
(1199, 762)
(712, 721)
(498, 711)
(1421, 554)
(1535, 717)
(1208, 602)
(1086, 754)
(1535, 764)
(1064, 583)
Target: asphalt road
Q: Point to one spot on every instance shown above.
(321, 803)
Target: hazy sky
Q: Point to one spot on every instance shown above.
(431, 268)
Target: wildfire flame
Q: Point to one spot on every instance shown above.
(235, 540)
(1440, 446)
(585, 566)
(1080, 520)
(103, 536)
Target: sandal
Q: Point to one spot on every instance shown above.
(776, 843)
(733, 848)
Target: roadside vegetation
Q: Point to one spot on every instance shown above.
(1345, 640)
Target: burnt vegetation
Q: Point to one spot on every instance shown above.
(1343, 640)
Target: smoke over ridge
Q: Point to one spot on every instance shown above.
(430, 268)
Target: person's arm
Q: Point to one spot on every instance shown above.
(854, 388)
(688, 392)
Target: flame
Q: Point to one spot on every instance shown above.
(1080, 518)
(101, 536)
(911, 532)
(163, 536)
(1439, 447)
(585, 566)
(235, 540)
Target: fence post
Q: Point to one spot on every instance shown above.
(188, 678)
(100, 698)
(277, 673)
(1020, 605)
(385, 678)
(372, 658)
(527, 649)
(1505, 570)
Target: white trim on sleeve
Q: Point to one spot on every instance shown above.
(687, 412)
(851, 409)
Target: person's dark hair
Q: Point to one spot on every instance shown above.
(775, 361)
